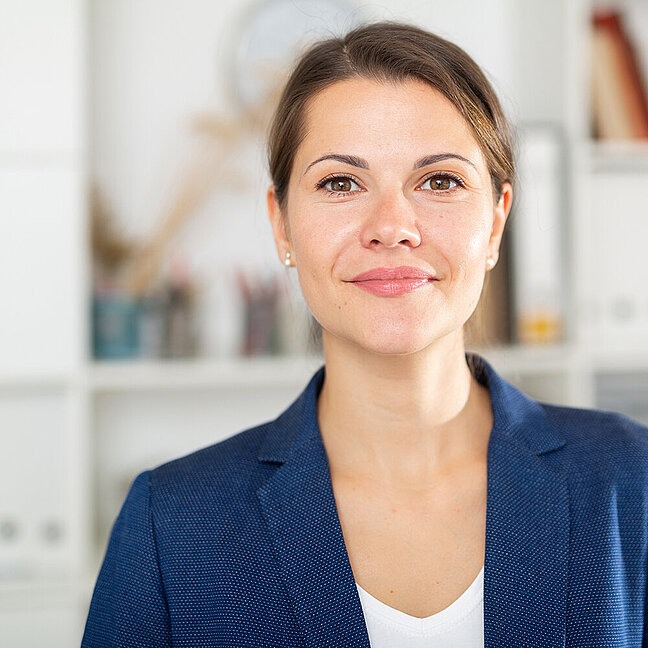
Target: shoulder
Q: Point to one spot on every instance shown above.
(595, 428)
(600, 439)
(224, 470)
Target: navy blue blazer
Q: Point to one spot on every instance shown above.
(239, 544)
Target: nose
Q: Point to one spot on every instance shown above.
(391, 222)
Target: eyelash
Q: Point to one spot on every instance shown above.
(445, 176)
(336, 176)
(437, 175)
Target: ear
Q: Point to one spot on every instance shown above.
(277, 220)
(500, 214)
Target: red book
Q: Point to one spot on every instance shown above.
(619, 89)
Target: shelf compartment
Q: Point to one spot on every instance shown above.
(129, 375)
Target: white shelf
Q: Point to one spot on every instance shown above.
(130, 375)
(34, 380)
(51, 588)
(618, 362)
(625, 156)
(519, 359)
(189, 374)
(565, 359)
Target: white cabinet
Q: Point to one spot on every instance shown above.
(43, 322)
(614, 228)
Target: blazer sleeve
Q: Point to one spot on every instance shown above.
(128, 606)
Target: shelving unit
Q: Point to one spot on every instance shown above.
(79, 430)
(628, 157)
(254, 372)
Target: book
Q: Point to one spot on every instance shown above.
(490, 324)
(537, 224)
(618, 88)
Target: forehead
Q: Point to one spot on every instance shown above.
(390, 120)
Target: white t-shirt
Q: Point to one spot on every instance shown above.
(460, 625)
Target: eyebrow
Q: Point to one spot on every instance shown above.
(346, 159)
(439, 157)
(360, 163)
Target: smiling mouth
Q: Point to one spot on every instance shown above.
(393, 287)
(393, 281)
(399, 272)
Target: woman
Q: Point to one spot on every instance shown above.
(410, 496)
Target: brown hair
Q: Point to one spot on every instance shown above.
(390, 51)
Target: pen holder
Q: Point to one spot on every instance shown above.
(115, 326)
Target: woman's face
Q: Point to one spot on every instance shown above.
(389, 176)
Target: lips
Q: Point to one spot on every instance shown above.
(391, 274)
(391, 282)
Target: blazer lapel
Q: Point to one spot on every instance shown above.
(527, 525)
(527, 544)
(299, 507)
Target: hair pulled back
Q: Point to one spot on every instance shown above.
(391, 52)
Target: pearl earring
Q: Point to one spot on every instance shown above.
(490, 263)
(287, 261)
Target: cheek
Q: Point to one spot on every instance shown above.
(313, 264)
(476, 244)
(320, 238)
(461, 240)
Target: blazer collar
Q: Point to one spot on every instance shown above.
(515, 416)
(527, 525)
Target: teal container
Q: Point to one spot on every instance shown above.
(115, 326)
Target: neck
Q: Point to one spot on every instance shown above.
(401, 420)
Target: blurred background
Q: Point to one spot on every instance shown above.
(145, 312)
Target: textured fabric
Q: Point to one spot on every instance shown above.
(239, 544)
(460, 625)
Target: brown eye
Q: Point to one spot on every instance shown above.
(441, 183)
(341, 184)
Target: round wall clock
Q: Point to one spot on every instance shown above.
(272, 33)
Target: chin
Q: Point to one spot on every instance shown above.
(397, 347)
(398, 343)
(406, 334)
